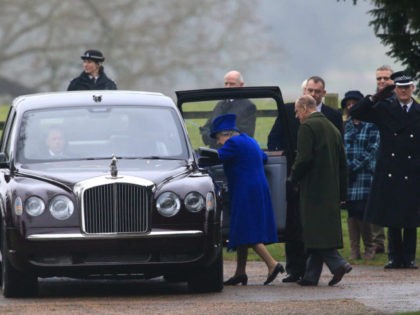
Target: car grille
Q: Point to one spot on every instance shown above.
(117, 208)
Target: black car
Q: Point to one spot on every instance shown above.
(104, 183)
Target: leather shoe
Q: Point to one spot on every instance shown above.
(236, 280)
(291, 278)
(306, 283)
(339, 274)
(410, 265)
(277, 269)
(392, 264)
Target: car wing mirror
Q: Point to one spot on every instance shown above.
(208, 157)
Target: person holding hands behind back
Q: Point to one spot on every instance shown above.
(252, 222)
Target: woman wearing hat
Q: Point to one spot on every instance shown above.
(361, 141)
(93, 76)
(252, 221)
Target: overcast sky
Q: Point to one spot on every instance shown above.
(320, 37)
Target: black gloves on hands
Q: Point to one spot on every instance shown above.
(383, 94)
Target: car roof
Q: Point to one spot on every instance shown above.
(91, 97)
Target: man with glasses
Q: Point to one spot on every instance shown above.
(394, 200)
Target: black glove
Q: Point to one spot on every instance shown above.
(384, 93)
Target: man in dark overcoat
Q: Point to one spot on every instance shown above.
(320, 170)
(394, 200)
(294, 247)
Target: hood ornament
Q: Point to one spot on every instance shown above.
(113, 166)
(97, 98)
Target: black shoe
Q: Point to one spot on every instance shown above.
(277, 269)
(306, 283)
(339, 274)
(392, 264)
(291, 278)
(410, 265)
(236, 280)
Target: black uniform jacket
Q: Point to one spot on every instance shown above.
(395, 194)
(84, 82)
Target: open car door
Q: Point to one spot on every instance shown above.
(198, 108)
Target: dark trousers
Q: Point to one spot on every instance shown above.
(316, 259)
(295, 258)
(402, 244)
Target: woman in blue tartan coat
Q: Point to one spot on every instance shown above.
(252, 222)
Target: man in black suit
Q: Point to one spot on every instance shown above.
(294, 246)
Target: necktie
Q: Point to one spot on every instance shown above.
(405, 108)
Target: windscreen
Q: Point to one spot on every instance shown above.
(101, 132)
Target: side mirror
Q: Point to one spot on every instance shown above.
(208, 157)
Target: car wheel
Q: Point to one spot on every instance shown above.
(209, 279)
(14, 282)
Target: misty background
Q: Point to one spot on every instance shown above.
(174, 45)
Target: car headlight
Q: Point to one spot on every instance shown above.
(194, 201)
(61, 207)
(34, 206)
(168, 204)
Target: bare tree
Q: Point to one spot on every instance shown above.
(148, 45)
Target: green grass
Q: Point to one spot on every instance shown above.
(277, 250)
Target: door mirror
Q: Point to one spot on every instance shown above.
(208, 157)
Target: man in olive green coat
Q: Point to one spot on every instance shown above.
(320, 170)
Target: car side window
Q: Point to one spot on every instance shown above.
(7, 139)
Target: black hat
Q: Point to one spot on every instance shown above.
(94, 55)
(351, 95)
(401, 78)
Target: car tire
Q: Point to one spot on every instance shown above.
(209, 279)
(15, 283)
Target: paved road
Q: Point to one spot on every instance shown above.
(366, 290)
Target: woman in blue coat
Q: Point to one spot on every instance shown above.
(252, 222)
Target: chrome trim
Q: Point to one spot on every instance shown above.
(79, 236)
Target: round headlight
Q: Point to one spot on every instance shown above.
(34, 206)
(61, 207)
(168, 204)
(194, 201)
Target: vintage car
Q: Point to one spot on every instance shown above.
(104, 183)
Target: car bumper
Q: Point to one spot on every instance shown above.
(80, 255)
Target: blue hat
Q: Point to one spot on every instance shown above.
(351, 95)
(401, 78)
(223, 123)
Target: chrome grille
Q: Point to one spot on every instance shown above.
(117, 208)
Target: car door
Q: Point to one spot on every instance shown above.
(199, 107)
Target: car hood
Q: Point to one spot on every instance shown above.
(71, 172)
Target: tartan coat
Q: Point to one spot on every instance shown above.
(394, 200)
(320, 169)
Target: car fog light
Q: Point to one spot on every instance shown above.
(61, 207)
(34, 206)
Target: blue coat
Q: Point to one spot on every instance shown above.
(252, 217)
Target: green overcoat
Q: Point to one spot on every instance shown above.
(321, 171)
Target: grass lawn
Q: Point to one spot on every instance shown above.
(277, 250)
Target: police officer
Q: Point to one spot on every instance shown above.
(93, 76)
(395, 199)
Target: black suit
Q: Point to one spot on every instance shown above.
(294, 246)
